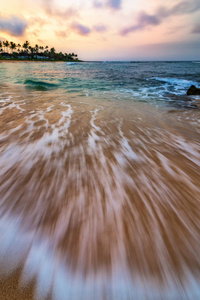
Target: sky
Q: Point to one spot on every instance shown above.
(106, 29)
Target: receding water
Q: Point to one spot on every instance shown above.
(100, 180)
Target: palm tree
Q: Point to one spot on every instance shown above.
(12, 46)
(19, 47)
(36, 48)
(52, 52)
(46, 51)
(1, 46)
(70, 56)
(32, 49)
(25, 46)
(11, 43)
(6, 45)
(41, 48)
(73, 55)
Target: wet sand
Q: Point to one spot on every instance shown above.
(10, 288)
(98, 200)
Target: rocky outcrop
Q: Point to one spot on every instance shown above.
(193, 90)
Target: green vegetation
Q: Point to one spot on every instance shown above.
(11, 50)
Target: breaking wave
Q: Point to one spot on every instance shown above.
(39, 85)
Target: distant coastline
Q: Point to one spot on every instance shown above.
(10, 51)
(35, 60)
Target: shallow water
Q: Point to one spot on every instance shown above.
(99, 196)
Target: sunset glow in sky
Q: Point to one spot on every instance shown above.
(107, 29)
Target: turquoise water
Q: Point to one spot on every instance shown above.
(165, 82)
(99, 179)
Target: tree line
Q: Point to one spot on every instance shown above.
(13, 50)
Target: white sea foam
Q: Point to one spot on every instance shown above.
(53, 277)
(71, 63)
(176, 81)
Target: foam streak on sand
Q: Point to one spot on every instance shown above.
(99, 202)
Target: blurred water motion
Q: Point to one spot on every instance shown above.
(99, 200)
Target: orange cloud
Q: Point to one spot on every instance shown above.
(61, 33)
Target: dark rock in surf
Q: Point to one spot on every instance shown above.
(193, 90)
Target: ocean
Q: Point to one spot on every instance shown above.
(100, 180)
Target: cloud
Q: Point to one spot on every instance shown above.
(180, 8)
(52, 10)
(13, 25)
(145, 20)
(61, 33)
(37, 21)
(40, 41)
(80, 29)
(114, 4)
(97, 3)
(196, 29)
(65, 14)
(100, 28)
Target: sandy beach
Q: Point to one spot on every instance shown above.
(99, 198)
(10, 288)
